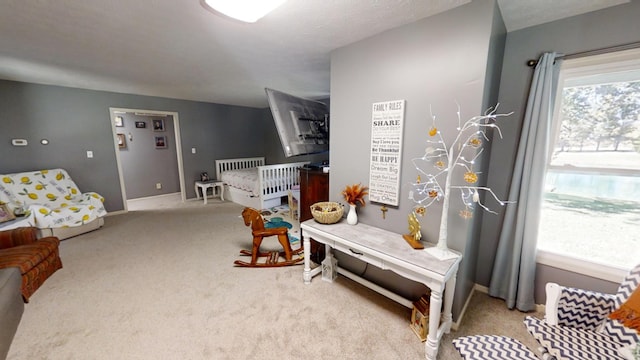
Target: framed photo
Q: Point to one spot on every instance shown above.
(158, 125)
(141, 124)
(161, 142)
(5, 214)
(122, 142)
(119, 121)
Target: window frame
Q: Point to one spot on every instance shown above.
(597, 65)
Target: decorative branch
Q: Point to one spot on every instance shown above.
(437, 165)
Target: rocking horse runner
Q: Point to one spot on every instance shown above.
(252, 217)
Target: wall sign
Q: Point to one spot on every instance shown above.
(387, 123)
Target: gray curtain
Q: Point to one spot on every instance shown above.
(514, 266)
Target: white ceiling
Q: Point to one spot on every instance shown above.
(178, 49)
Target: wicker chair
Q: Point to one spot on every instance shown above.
(36, 258)
(577, 324)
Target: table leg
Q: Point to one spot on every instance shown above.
(447, 318)
(306, 244)
(204, 194)
(221, 186)
(431, 345)
(195, 187)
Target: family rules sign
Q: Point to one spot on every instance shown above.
(387, 122)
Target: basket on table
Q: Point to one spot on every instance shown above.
(327, 212)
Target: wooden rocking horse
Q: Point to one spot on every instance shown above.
(252, 217)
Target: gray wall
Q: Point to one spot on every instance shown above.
(601, 29)
(144, 165)
(434, 62)
(76, 120)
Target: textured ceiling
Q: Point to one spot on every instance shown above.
(178, 49)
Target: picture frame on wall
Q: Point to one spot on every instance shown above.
(119, 121)
(122, 141)
(5, 213)
(161, 142)
(141, 124)
(158, 124)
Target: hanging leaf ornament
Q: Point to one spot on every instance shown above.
(470, 177)
(466, 214)
(475, 142)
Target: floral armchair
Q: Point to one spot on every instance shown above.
(50, 200)
(581, 324)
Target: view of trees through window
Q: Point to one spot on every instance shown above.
(600, 117)
(591, 206)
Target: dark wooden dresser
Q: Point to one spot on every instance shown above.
(314, 187)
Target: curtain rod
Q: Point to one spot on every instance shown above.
(633, 45)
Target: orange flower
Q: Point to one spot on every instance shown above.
(433, 131)
(433, 193)
(354, 194)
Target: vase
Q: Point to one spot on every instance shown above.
(352, 216)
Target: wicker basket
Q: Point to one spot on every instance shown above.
(327, 212)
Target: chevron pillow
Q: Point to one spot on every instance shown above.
(491, 347)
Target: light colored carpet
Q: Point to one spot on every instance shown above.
(161, 285)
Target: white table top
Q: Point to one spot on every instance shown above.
(382, 241)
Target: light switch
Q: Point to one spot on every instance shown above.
(89, 154)
(193, 150)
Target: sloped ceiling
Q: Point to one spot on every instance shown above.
(179, 49)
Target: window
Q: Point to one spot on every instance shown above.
(591, 202)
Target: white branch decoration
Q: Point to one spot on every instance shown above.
(437, 164)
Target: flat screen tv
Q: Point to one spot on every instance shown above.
(302, 124)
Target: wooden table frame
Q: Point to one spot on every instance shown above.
(389, 251)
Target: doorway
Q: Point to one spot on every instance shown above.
(148, 154)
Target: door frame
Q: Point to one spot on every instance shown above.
(113, 112)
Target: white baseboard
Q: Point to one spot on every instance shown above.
(153, 197)
(484, 290)
(476, 287)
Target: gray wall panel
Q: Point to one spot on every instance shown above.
(76, 120)
(433, 62)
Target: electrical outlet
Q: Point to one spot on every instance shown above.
(159, 186)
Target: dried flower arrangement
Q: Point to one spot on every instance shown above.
(354, 194)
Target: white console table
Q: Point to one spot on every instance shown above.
(389, 251)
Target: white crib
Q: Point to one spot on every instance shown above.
(262, 186)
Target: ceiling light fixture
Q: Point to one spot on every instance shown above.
(244, 10)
